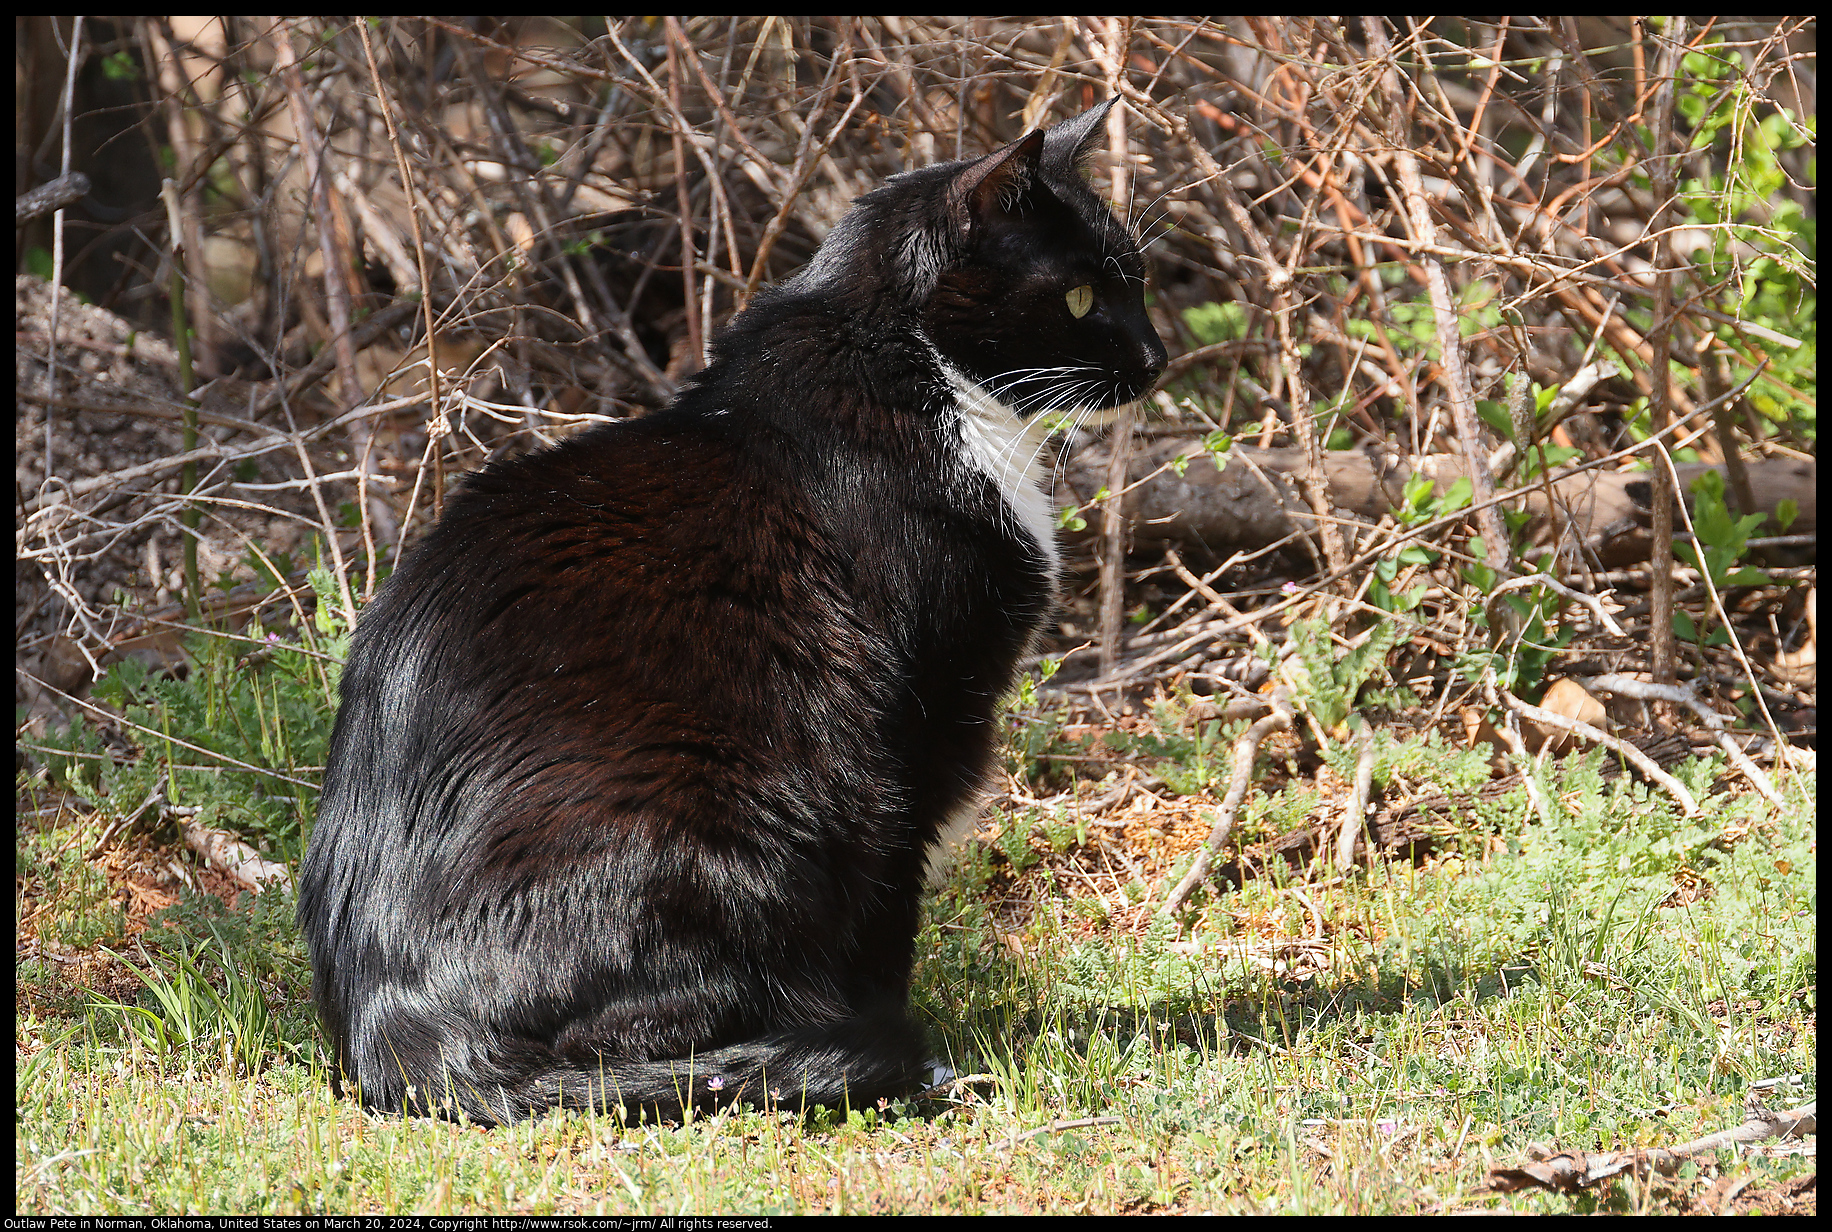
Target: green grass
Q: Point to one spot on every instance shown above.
(1368, 1045)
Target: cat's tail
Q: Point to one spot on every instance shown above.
(851, 1062)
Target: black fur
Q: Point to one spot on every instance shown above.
(641, 749)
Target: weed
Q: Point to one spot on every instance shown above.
(189, 1013)
(1190, 756)
(79, 910)
(1332, 678)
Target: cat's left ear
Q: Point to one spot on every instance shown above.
(1068, 146)
(995, 183)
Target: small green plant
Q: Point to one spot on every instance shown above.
(1518, 662)
(1721, 541)
(240, 734)
(1419, 504)
(1216, 444)
(1537, 456)
(1036, 749)
(1061, 833)
(1428, 758)
(1146, 974)
(183, 1013)
(1070, 518)
(1190, 756)
(1763, 240)
(260, 932)
(1334, 677)
(1213, 323)
(120, 66)
(77, 909)
(189, 1013)
(1025, 698)
(1015, 841)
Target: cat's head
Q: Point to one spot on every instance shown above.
(1016, 270)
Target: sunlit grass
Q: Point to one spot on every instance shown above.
(1552, 987)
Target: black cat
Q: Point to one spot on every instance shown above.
(641, 749)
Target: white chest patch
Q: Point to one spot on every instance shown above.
(1009, 450)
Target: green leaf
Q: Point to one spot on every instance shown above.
(1496, 416)
(1456, 497)
(1216, 322)
(120, 66)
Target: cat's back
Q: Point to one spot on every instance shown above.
(604, 532)
(567, 512)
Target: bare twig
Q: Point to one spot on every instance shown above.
(1622, 748)
(55, 195)
(1450, 340)
(1056, 1127)
(1628, 686)
(385, 105)
(1355, 810)
(1531, 580)
(1241, 775)
(57, 237)
(229, 855)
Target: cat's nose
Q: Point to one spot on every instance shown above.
(1152, 356)
(1148, 354)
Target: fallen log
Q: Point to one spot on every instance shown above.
(1253, 499)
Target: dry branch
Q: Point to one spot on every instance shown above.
(1673, 787)
(1239, 778)
(52, 196)
(232, 857)
(1572, 1171)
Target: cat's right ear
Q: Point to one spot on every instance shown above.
(1069, 145)
(995, 184)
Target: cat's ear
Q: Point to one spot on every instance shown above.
(1068, 146)
(994, 184)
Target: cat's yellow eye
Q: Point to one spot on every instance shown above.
(1080, 300)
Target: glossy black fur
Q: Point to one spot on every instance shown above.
(640, 750)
